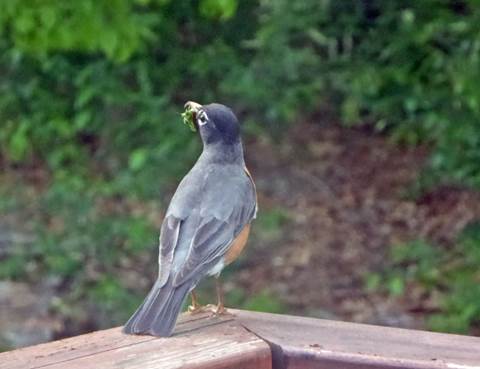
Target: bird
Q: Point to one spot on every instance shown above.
(206, 225)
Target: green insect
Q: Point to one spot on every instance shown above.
(188, 118)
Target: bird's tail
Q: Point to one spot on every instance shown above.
(159, 311)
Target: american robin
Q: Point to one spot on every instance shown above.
(206, 225)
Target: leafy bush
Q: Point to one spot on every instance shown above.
(413, 69)
(408, 67)
(448, 278)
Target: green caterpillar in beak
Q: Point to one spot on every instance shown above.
(188, 117)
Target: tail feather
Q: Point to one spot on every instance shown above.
(159, 311)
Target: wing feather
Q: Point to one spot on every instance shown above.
(168, 241)
(210, 242)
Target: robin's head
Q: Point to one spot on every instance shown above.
(215, 122)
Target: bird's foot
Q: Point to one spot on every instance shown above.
(197, 309)
(217, 310)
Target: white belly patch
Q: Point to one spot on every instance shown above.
(217, 268)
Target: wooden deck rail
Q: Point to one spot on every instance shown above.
(250, 340)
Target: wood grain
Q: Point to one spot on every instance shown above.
(299, 342)
(200, 341)
(250, 340)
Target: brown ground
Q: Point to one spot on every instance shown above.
(346, 193)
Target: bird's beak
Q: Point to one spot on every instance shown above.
(193, 106)
(190, 114)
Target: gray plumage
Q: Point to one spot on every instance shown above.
(211, 206)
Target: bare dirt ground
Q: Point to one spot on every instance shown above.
(346, 193)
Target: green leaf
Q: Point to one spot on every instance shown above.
(373, 281)
(265, 301)
(82, 119)
(18, 144)
(137, 159)
(218, 9)
(396, 286)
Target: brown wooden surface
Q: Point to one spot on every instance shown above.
(298, 342)
(256, 340)
(199, 342)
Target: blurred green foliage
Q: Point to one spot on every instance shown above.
(91, 91)
(271, 224)
(104, 80)
(413, 69)
(447, 278)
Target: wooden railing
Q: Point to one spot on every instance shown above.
(251, 340)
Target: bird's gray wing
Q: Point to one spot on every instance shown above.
(227, 207)
(178, 222)
(168, 240)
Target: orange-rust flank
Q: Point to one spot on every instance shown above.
(237, 245)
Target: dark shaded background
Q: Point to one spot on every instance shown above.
(361, 126)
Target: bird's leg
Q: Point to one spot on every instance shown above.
(195, 307)
(220, 308)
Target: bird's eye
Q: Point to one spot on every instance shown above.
(202, 118)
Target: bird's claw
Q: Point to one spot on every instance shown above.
(217, 310)
(196, 309)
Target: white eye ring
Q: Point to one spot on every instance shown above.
(202, 118)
